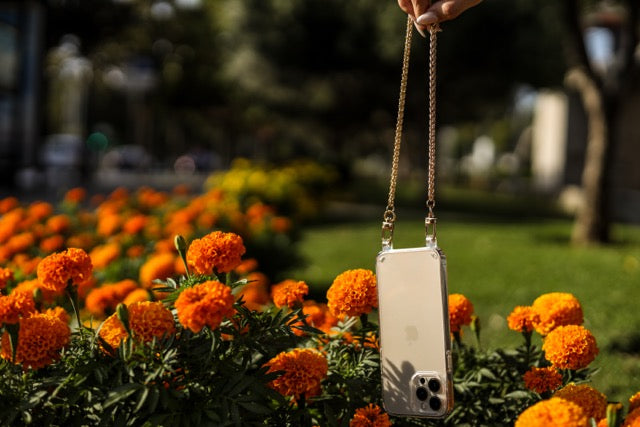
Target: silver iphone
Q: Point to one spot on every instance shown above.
(415, 345)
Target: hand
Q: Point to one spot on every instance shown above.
(424, 13)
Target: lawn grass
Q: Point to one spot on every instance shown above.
(500, 263)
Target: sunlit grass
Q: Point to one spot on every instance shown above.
(499, 265)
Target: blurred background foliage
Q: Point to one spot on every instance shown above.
(279, 79)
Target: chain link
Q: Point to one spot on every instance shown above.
(431, 179)
(389, 216)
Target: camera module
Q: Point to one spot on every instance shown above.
(434, 385)
(422, 393)
(435, 403)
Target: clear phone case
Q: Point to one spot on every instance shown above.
(415, 343)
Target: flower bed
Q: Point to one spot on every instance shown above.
(128, 326)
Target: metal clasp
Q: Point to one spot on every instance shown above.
(387, 235)
(430, 232)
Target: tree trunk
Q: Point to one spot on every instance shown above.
(592, 220)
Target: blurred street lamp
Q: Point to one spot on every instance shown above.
(604, 37)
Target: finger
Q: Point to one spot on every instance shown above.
(407, 6)
(445, 10)
(420, 7)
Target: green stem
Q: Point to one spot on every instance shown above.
(72, 293)
(13, 331)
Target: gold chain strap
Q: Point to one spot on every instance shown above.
(389, 216)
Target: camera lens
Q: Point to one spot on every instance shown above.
(422, 393)
(435, 403)
(422, 381)
(434, 385)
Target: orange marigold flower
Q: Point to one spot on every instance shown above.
(554, 412)
(81, 240)
(288, 293)
(247, 266)
(59, 313)
(16, 305)
(29, 286)
(460, 311)
(255, 294)
(303, 371)
(135, 251)
(147, 320)
(40, 339)
(207, 304)
(106, 298)
(521, 319)
(634, 401)
(26, 263)
(8, 203)
(370, 416)
(319, 316)
(353, 293)
(217, 251)
(556, 309)
(159, 266)
(75, 195)
(108, 224)
(592, 402)
(20, 242)
(542, 380)
(52, 244)
(103, 255)
(58, 224)
(280, 224)
(6, 275)
(570, 347)
(135, 224)
(58, 269)
(137, 295)
(632, 419)
(39, 210)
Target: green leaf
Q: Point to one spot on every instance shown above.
(121, 393)
(519, 394)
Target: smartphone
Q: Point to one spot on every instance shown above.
(415, 344)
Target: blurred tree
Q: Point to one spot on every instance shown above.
(603, 89)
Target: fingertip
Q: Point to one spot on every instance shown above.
(427, 18)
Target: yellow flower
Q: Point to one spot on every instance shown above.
(288, 293)
(570, 347)
(353, 293)
(542, 380)
(147, 320)
(56, 270)
(207, 304)
(303, 371)
(217, 251)
(370, 416)
(460, 311)
(521, 319)
(554, 412)
(556, 309)
(592, 402)
(40, 339)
